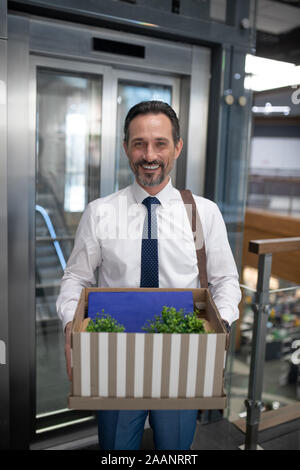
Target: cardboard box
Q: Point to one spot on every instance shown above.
(145, 370)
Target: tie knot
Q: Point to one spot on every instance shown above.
(149, 201)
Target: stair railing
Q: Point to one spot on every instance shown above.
(52, 234)
(264, 249)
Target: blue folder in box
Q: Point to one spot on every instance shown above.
(133, 309)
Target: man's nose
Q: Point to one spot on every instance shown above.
(150, 153)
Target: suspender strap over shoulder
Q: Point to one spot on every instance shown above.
(198, 235)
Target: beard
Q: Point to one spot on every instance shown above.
(149, 180)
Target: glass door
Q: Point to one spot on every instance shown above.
(68, 118)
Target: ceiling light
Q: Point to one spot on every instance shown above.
(267, 74)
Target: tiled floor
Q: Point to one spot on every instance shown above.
(223, 435)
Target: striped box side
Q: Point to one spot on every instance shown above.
(219, 365)
(103, 365)
(148, 365)
(209, 365)
(139, 354)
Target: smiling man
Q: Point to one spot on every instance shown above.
(151, 258)
(152, 146)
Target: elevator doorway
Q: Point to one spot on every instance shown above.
(67, 104)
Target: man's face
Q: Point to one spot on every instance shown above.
(151, 149)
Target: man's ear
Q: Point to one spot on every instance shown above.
(178, 148)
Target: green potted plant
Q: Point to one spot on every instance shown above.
(175, 321)
(104, 323)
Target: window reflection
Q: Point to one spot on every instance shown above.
(75, 175)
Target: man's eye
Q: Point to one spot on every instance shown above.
(161, 143)
(138, 144)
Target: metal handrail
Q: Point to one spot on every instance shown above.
(274, 245)
(271, 291)
(52, 233)
(248, 288)
(264, 249)
(284, 289)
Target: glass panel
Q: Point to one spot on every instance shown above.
(130, 94)
(281, 380)
(272, 212)
(68, 171)
(274, 166)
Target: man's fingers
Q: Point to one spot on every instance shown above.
(68, 349)
(68, 361)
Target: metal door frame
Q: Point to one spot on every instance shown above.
(24, 45)
(4, 359)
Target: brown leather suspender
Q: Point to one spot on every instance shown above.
(198, 235)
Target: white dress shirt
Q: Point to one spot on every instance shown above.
(107, 249)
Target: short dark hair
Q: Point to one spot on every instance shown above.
(153, 107)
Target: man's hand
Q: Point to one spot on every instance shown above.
(227, 326)
(68, 330)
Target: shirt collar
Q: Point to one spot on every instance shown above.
(163, 196)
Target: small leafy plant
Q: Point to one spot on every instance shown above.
(175, 321)
(104, 323)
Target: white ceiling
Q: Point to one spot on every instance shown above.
(272, 17)
(276, 18)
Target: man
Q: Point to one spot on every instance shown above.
(152, 144)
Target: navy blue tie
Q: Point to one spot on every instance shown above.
(149, 259)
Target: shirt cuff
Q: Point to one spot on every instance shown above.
(68, 316)
(228, 315)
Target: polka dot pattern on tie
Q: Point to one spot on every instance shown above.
(149, 258)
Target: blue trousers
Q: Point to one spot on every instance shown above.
(123, 429)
